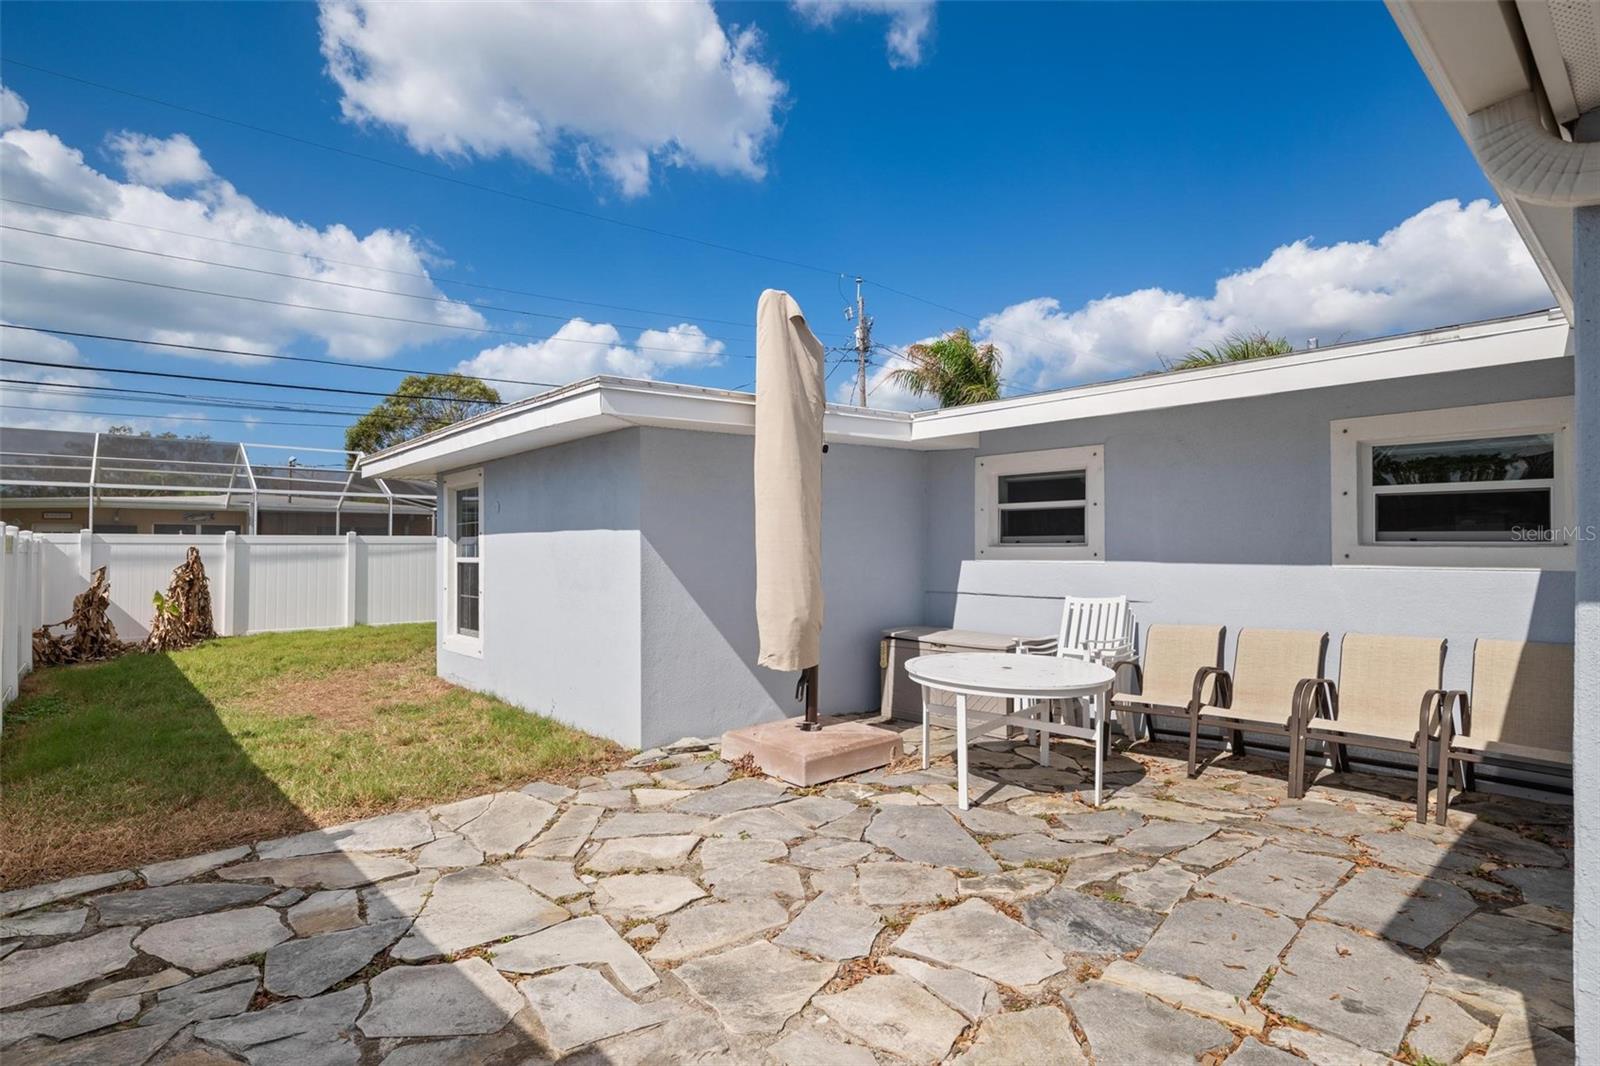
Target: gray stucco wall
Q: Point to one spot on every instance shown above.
(561, 602)
(1223, 512)
(1586, 713)
(699, 627)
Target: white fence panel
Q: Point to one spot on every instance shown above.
(396, 580)
(20, 582)
(258, 583)
(293, 583)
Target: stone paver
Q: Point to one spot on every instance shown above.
(322, 871)
(1229, 946)
(734, 796)
(811, 1047)
(832, 926)
(581, 941)
(754, 989)
(304, 1030)
(1188, 892)
(1157, 888)
(1159, 837)
(1509, 965)
(710, 926)
(1278, 879)
(206, 941)
(1442, 1029)
(566, 837)
(577, 1006)
(44, 923)
(642, 853)
(1085, 925)
(144, 906)
(1125, 1027)
(976, 937)
(444, 999)
(974, 996)
(25, 899)
(389, 832)
(1354, 987)
(896, 1014)
(315, 964)
(166, 873)
(928, 835)
(742, 880)
(895, 884)
(325, 912)
(472, 907)
(1414, 911)
(1038, 1034)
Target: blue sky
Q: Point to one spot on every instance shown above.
(1078, 178)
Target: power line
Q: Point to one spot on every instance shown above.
(205, 419)
(433, 278)
(314, 280)
(525, 338)
(215, 378)
(132, 395)
(264, 355)
(593, 216)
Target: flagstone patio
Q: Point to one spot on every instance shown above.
(678, 912)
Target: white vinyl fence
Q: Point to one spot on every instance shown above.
(21, 578)
(259, 584)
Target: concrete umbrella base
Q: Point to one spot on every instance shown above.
(840, 748)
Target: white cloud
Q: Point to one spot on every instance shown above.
(36, 166)
(25, 387)
(623, 87)
(13, 109)
(910, 22)
(160, 162)
(582, 349)
(1448, 263)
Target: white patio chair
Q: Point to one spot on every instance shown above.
(1094, 629)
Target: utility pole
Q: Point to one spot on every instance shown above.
(863, 345)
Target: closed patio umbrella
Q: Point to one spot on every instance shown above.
(788, 492)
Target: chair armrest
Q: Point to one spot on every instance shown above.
(1037, 646)
(1428, 715)
(1306, 691)
(1223, 686)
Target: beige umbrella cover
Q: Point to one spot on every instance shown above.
(788, 487)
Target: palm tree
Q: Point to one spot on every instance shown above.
(1234, 348)
(953, 368)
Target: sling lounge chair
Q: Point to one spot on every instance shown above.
(1265, 693)
(1388, 696)
(1520, 711)
(1172, 679)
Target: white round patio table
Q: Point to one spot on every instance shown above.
(1014, 678)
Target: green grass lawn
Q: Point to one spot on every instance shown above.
(154, 757)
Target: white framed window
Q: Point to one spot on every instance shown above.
(1041, 505)
(1488, 485)
(463, 562)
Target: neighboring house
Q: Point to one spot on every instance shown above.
(597, 549)
(55, 481)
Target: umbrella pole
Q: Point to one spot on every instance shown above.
(808, 681)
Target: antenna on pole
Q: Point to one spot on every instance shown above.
(863, 344)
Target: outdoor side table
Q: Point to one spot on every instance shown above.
(1014, 677)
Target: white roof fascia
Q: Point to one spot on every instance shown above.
(1477, 48)
(1529, 338)
(601, 405)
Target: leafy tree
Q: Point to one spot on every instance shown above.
(1235, 348)
(123, 430)
(952, 368)
(422, 403)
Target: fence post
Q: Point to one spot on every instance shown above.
(8, 615)
(228, 576)
(351, 572)
(85, 553)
